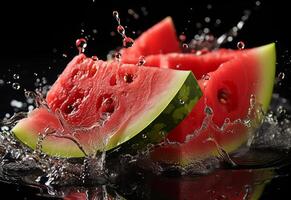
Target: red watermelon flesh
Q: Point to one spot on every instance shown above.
(164, 41)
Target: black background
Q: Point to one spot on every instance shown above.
(35, 35)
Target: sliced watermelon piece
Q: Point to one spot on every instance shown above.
(234, 75)
(101, 105)
(164, 41)
(228, 89)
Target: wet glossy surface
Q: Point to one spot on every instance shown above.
(40, 39)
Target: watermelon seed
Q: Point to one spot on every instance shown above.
(222, 96)
(240, 45)
(128, 78)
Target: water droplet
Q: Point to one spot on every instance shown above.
(206, 30)
(182, 37)
(240, 45)
(133, 13)
(35, 74)
(207, 19)
(127, 42)
(2, 82)
(198, 25)
(65, 55)
(144, 136)
(95, 31)
(16, 86)
(95, 58)
(7, 115)
(15, 76)
(185, 46)
(258, 3)
(229, 38)
(281, 75)
(209, 6)
(115, 14)
(117, 56)
(227, 120)
(16, 104)
(208, 110)
(252, 100)
(121, 30)
(206, 77)
(81, 44)
(141, 61)
(181, 101)
(281, 110)
(218, 21)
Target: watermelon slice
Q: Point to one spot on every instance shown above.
(229, 79)
(96, 105)
(164, 41)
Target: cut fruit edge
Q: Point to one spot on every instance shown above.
(67, 147)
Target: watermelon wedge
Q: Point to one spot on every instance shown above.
(95, 106)
(229, 79)
(164, 41)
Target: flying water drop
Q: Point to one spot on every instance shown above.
(81, 44)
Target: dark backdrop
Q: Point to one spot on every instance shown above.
(36, 34)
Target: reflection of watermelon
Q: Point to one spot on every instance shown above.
(228, 184)
(101, 101)
(231, 77)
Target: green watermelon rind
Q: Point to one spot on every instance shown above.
(161, 112)
(267, 59)
(156, 131)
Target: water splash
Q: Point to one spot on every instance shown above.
(127, 41)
